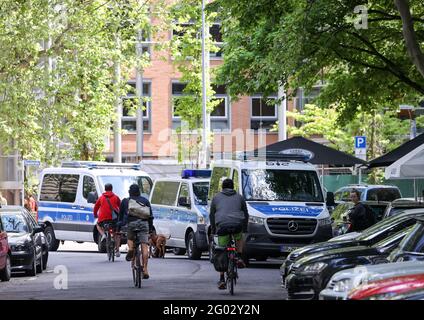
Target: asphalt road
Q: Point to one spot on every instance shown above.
(77, 271)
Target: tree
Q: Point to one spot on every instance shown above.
(56, 91)
(299, 42)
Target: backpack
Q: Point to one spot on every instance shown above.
(138, 209)
(220, 259)
(370, 216)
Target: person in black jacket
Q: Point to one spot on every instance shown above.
(228, 210)
(358, 214)
(145, 225)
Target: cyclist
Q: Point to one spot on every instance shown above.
(137, 213)
(103, 211)
(228, 209)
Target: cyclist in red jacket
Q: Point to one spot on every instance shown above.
(103, 211)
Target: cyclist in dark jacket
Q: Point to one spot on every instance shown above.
(228, 208)
(145, 225)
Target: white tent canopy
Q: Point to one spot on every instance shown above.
(410, 166)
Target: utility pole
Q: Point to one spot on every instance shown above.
(139, 89)
(117, 140)
(204, 154)
(282, 113)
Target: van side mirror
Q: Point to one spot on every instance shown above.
(184, 202)
(330, 199)
(92, 197)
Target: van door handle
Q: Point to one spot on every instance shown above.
(82, 208)
(73, 207)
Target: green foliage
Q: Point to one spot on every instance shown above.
(300, 42)
(57, 101)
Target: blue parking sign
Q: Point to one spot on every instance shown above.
(360, 142)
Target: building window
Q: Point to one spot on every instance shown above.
(263, 113)
(129, 108)
(216, 35)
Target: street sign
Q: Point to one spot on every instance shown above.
(360, 142)
(32, 163)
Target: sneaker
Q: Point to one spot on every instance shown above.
(130, 255)
(222, 285)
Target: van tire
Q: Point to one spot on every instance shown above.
(179, 251)
(52, 242)
(193, 251)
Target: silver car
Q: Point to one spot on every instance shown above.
(342, 282)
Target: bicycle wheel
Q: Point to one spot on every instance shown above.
(108, 251)
(230, 275)
(112, 249)
(139, 268)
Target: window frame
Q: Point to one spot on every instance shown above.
(148, 115)
(252, 117)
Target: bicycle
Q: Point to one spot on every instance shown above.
(108, 228)
(231, 273)
(136, 266)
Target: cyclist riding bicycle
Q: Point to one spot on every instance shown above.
(229, 209)
(136, 212)
(103, 211)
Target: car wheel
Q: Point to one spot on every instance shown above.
(179, 251)
(45, 258)
(40, 264)
(52, 242)
(33, 271)
(193, 251)
(6, 273)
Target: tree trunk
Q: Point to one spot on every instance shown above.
(409, 35)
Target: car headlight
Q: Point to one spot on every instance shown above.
(343, 285)
(324, 222)
(258, 220)
(201, 220)
(315, 267)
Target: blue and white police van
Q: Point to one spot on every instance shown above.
(180, 211)
(285, 201)
(67, 195)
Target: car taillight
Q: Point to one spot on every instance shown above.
(231, 249)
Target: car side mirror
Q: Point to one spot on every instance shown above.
(37, 230)
(330, 199)
(183, 202)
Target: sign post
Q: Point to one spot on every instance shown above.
(361, 152)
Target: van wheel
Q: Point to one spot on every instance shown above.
(179, 251)
(193, 251)
(6, 273)
(51, 239)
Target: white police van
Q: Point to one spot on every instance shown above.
(179, 208)
(67, 196)
(285, 201)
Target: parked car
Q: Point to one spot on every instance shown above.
(311, 274)
(27, 241)
(399, 205)
(368, 237)
(411, 295)
(342, 282)
(412, 247)
(368, 193)
(388, 288)
(5, 255)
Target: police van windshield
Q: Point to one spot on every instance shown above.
(201, 190)
(121, 184)
(281, 185)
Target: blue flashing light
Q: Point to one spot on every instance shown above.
(191, 173)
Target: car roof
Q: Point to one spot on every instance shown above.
(409, 212)
(96, 172)
(402, 202)
(368, 186)
(183, 180)
(279, 165)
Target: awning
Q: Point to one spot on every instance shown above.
(394, 155)
(409, 166)
(316, 152)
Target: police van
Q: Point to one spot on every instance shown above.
(67, 195)
(179, 208)
(285, 201)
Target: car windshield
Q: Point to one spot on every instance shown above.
(201, 190)
(379, 228)
(386, 194)
(281, 185)
(121, 184)
(414, 241)
(14, 223)
(392, 240)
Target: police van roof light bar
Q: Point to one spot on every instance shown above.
(196, 173)
(271, 156)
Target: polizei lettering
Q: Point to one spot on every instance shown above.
(175, 310)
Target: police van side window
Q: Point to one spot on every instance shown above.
(184, 192)
(88, 186)
(236, 180)
(59, 187)
(217, 174)
(165, 193)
